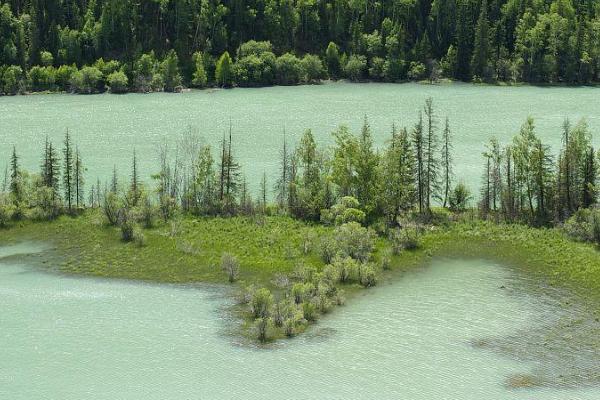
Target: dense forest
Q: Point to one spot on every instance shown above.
(131, 45)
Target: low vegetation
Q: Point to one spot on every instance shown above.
(343, 218)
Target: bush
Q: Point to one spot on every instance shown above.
(117, 82)
(231, 266)
(138, 237)
(313, 68)
(86, 80)
(199, 78)
(386, 259)
(584, 226)
(42, 78)
(263, 328)
(328, 249)
(309, 311)
(355, 241)
(255, 70)
(298, 292)
(261, 303)
(12, 80)
(289, 69)
(347, 269)
(406, 238)
(332, 57)
(368, 276)
(169, 68)
(459, 198)
(355, 67)
(111, 208)
(63, 76)
(5, 215)
(346, 210)
(417, 71)
(46, 58)
(224, 70)
(596, 228)
(126, 223)
(377, 69)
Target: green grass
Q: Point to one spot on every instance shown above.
(187, 250)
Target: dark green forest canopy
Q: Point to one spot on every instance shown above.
(506, 40)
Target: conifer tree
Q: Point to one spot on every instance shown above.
(447, 162)
(479, 63)
(419, 145)
(68, 179)
(79, 180)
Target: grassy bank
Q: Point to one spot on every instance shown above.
(189, 249)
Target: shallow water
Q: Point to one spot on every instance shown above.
(108, 127)
(76, 338)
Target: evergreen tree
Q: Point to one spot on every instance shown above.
(79, 180)
(68, 175)
(283, 183)
(419, 145)
(431, 172)
(479, 63)
(15, 178)
(223, 72)
(398, 189)
(134, 188)
(447, 162)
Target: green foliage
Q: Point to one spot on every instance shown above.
(459, 198)
(117, 82)
(355, 68)
(87, 80)
(289, 69)
(261, 303)
(169, 68)
(199, 78)
(332, 58)
(313, 68)
(231, 266)
(42, 78)
(12, 80)
(355, 241)
(224, 70)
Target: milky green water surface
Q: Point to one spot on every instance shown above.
(73, 338)
(108, 127)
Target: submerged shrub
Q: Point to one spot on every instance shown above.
(231, 266)
(347, 269)
(368, 276)
(309, 311)
(263, 327)
(261, 303)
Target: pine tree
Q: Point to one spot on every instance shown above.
(479, 62)
(430, 152)
(114, 184)
(135, 181)
(419, 144)
(79, 180)
(283, 183)
(589, 179)
(398, 190)
(68, 180)
(447, 161)
(263, 192)
(15, 178)
(367, 173)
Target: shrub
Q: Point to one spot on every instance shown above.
(313, 68)
(289, 69)
(224, 70)
(368, 276)
(138, 237)
(406, 238)
(331, 273)
(322, 303)
(253, 70)
(332, 57)
(417, 71)
(12, 80)
(199, 78)
(261, 303)
(63, 76)
(596, 228)
(347, 269)
(355, 67)
(169, 68)
(386, 259)
(231, 266)
(111, 208)
(298, 292)
(117, 82)
(126, 223)
(46, 58)
(5, 215)
(42, 78)
(263, 328)
(346, 210)
(355, 241)
(309, 311)
(86, 80)
(459, 198)
(328, 249)
(377, 69)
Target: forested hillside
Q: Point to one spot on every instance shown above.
(143, 45)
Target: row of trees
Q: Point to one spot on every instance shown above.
(350, 182)
(543, 41)
(524, 182)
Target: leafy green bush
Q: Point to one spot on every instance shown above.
(355, 67)
(263, 328)
(87, 80)
(231, 266)
(117, 82)
(368, 275)
(261, 303)
(289, 69)
(309, 311)
(42, 78)
(12, 80)
(355, 241)
(313, 68)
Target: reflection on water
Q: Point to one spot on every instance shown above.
(70, 338)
